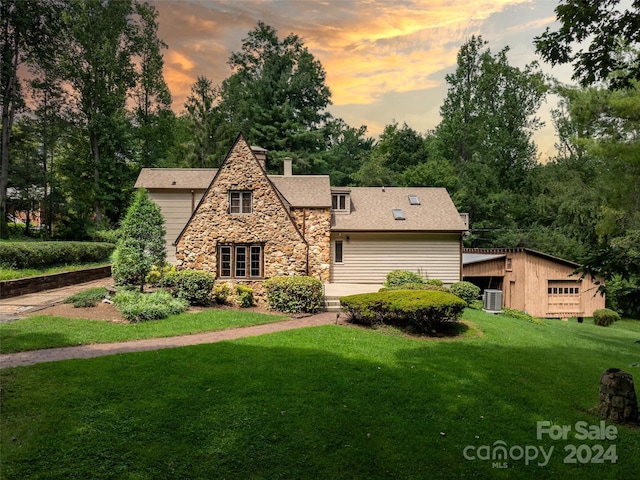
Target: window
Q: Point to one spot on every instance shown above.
(339, 201)
(398, 214)
(509, 266)
(337, 253)
(240, 201)
(240, 261)
(414, 200)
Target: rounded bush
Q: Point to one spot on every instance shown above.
(605, 317)
(221, 293)
(194, 286)
(400, 277)
(467, 291)
(245, 296)
(158, 275)
(295, 294)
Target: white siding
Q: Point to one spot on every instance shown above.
(367, 258)
(176, 209)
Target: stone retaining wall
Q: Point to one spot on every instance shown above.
(24, 286)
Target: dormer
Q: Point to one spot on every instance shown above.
(341, 200)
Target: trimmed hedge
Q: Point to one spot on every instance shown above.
(416, 286)
(19, 255)
(294, 294)
(605, 317)
(422, 311)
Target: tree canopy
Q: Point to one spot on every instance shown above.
(600, 38)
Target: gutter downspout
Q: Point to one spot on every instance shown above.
(304, 235)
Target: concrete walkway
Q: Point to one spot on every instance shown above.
(12, 308)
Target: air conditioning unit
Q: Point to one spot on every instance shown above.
(492, 301)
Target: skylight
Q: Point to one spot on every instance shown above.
(414, 200)
(398, 214)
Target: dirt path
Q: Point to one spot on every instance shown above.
(96, 350)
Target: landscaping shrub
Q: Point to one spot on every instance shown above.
(87, 298)
(476, 305)
(512, 312)
(467, 291)
(245, 296)
(22, 255)
(401, 277)
(294, 294)
(194, 286)
(435, 281)
(158, 276)
(605, 317)
(221, 293)
(422, 311)
(141, 307)
(416, 286)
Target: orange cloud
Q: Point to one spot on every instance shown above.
(367, 47)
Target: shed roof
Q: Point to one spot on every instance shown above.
(468, 258)
(372, 210)
(502, 252)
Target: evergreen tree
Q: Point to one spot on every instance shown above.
(141, 244)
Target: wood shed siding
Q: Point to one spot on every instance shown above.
(525, 286)
(367, 258)
(176, 210)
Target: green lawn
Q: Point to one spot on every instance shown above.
(329, 402)
(42, 331)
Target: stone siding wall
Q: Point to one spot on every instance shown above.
(315, 225)
(269, 224)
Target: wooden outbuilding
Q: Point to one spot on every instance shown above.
(534, 282)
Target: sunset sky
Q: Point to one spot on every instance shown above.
(386, 60)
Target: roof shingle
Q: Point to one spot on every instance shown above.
(372, 210)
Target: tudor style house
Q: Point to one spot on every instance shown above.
(245, 226)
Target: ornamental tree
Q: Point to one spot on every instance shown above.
(141, 245)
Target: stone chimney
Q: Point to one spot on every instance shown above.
(261, 155)
(288, 169)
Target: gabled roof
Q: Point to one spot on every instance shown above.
(372, 210)
(175, 178)
(313, 191)
(304, 190)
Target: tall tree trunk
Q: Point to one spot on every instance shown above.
(7, 124)
(95, 152)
